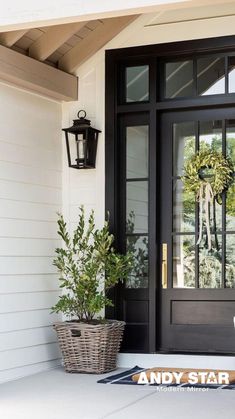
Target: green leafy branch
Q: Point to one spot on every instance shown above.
(88, 266)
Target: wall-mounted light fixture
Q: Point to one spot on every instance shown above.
(81, 143)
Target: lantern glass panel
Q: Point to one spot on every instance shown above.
(80, 147)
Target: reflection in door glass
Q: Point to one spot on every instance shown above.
(183, 208)
(210, 265)
(230, 261)
(138, 278)
(210, 76)
(183, 144)
(184, 261)
(211, 136)
(137, 152)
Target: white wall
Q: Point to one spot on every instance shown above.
(30, 195)
(88, 187)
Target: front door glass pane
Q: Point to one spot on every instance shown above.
(184, 261)
(230, 140)
(210, 265)
(178, 79)
(183, 208)
(230, 261)
(194, 264)
(210, 76)
(211, 136)
(184, 143)
(230, 208)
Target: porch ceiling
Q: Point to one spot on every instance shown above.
(65, 46)
(52, 49)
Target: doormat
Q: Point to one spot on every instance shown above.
(155, 377)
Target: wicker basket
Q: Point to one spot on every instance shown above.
(90, 348)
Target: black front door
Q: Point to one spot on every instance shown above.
(197, 298)
(163, 103)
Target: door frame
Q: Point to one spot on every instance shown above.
(114, 108)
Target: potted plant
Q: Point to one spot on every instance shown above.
(88, 266)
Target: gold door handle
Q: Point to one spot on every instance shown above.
(164, 265)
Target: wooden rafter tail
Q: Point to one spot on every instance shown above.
(52, 39)
(93, 42)
(7, 39)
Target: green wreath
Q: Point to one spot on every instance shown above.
(207, 188)
(222, 170)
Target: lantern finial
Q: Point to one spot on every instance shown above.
(79, 113)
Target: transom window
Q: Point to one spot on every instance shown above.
(199, 76)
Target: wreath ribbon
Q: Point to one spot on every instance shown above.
(206, 199)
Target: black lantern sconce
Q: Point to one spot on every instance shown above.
(82, 151)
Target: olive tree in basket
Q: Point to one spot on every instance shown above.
(88, 266)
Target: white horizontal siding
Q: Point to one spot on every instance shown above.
(10, 303)
(33, 193)
(30, 197)
(28, 356)
(20, 265)
(35, 120)
(29, 157)
(27, 174)
(28, 283)
(22, 320)
(28, 229)
(27, 210)
(25, 338)
(27, 247)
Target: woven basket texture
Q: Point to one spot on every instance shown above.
(90, 348)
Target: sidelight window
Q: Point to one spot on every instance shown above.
(137, 202)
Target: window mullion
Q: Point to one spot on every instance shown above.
(226, 74)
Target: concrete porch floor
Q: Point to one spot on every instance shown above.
(57, 395)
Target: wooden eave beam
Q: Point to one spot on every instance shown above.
(24, 14)
(27, 73)
(93, 42)
(51, 40)
(8, 39)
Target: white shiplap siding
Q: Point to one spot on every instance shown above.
(30, 196)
